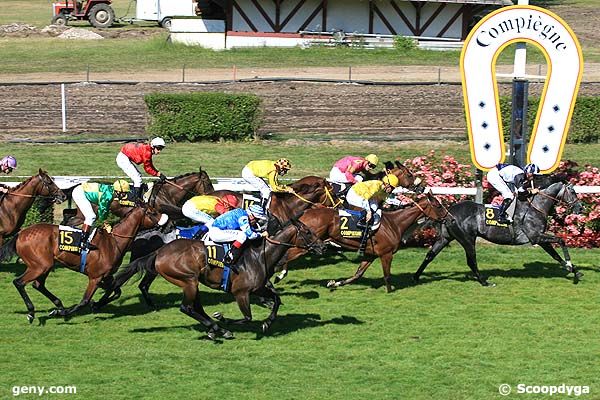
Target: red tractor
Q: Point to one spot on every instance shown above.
(98, 12)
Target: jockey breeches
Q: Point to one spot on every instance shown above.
(498, 183)
(335, 175)
(196, 215)
(226, 235)
(84, 205)
(354, 199)
(257, 183)
(130, 169)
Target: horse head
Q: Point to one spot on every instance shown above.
(204, 184)
(432, 207)
(49, 188)
(568, 196)
(407, 179)
(310, 240)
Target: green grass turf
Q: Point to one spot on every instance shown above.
(446, 338)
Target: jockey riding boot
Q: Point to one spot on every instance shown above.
(363, 240)
(503, 217)
(362, 222)
(231, 257)
(263, 204)
(85, 236)
(135, 192)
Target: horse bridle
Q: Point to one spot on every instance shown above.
(560, 198)
(303, 230)
(432, 206)
(54, 195)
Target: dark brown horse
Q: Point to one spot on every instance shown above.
(166, 197)
(37, 246)
(15, 204)
(325, 223)
(183, 263)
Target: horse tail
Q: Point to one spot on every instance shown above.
(9, 249)
(138, 266)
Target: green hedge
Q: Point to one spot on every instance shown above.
(584, 124)
(203, 116)
(34, 216)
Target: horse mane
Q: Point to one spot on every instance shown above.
(20, 184)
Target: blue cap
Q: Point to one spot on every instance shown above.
(257, 211)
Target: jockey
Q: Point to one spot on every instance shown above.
(235, 226)
(509, 179)
(346, 170)
(140, 153)
(369, 195)
(100, 194)
(203, 209)
(7, 164)
(256, 171)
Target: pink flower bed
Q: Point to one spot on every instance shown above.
(581, 230)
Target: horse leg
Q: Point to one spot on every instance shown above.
(468, 245)
(362, 267)
(283, 271)
(144, 287)
(269, 292)
(40, 285)
(192, 307)
(20, 283)
(386, 265)
(243, 301)
(545, 242)
(431, 254)
(87, 296)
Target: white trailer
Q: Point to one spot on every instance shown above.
(162, 11)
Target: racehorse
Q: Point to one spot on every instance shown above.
(530, 223)
(18, 200)
(38, 247)
(166, 197)
(386, 241)
(183, 263)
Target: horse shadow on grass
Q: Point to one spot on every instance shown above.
(533, 270)
(283, 325)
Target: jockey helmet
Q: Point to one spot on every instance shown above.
(372, 159)
(158, 142)
(531, 169)
(391, 180)
(9, 161)
(283, 163)
(256, 211)
(226, 203)
(121, 186)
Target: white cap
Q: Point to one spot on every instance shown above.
(157, 142)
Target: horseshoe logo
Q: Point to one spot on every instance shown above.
(558, 43)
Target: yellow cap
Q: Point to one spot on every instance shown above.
(373, 159)
(391, 180)
(121, 186)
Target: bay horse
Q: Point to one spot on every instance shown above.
(387, 240)
(183, 263)
(37, 246)
(18, 200)
(530, 223)
(166, 197)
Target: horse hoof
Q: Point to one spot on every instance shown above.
(227, 334)
(211, 335)
(416, 278)
(217, 315)
(30, 317)
(53, 313)
(332, 284)
(265, 327)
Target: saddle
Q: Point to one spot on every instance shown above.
(215, 254)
